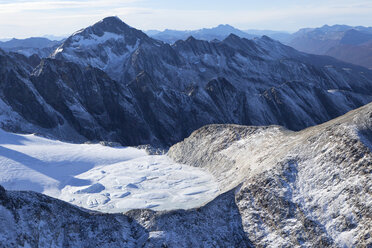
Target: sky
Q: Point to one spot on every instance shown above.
(21, 18)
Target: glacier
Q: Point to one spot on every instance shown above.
(98, 177)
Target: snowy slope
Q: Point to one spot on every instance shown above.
(310, 188)
(107, 45)
(288, 189)
(100, 177)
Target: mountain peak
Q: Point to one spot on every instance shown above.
(111, 20)
(232, 37)
(191, 39)
(225, 26)
(118, 38)
(110, 24)
(109, 28)
(267, 38)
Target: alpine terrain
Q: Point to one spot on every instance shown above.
(310, 188)
(112, 82)
(112, 138)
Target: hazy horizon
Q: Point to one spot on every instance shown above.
(37, 18)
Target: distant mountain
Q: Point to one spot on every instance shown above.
(34, 42)
(152, 32)
(55, 37)
(356, 54)
(320, 40)
(281, 36)
(35, 45)
(355, 37)
(112, 82)
(350, 44)
(219, 33)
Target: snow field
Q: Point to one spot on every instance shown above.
(101, 178)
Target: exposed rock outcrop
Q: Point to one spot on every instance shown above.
(308, 188)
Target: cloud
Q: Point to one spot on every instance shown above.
(22, 6)
(39, 17)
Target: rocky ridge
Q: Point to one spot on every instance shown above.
(308, 188)
(282, 188)
(112, 82)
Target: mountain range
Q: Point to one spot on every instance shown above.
(278, 141)
(219, 33)
(112, 82)
(216, 33)
(347, 43)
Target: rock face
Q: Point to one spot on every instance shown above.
(97, 107)
(112, 82)
(34, 220)
(308, 188)
(282, 188)
(16, 91)
(22, 108)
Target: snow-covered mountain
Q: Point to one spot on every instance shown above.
(113, 82)
(283, 188)
(106, 45)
